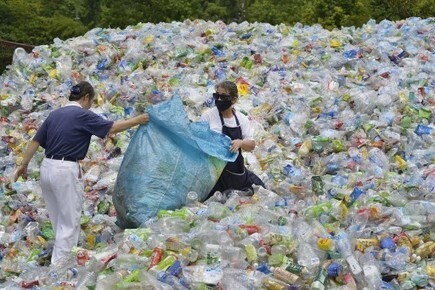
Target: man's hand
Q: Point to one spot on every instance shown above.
(143, 118)
(27, 156)
(122, 125)
(21, 171)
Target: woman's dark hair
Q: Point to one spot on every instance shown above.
(80, 90)
(230, 87)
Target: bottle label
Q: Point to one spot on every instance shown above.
(166, 263)
(355, 194)
(285, 276)
(316, 285)
(275, 238)
(174, 244)
(355, 268)
(317, 185)
(362, 244)
(273, 284)
(425, 249)
(213, 254)
(370, 270)
(212, 275)
(294, 268)
(321, 275)
(251, 253)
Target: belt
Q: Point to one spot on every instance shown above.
(56, 157)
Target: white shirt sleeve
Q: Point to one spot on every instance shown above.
(245, 124)
(212, 117)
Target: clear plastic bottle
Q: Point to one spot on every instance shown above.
(109, 282)
(307, 256)
(87, 277)
(192, 199)
(372, 275)
(262, 254)
(214, 210)
(234, 278)
(27, 99)
(216, 197)
(222, 255)
(344, 247)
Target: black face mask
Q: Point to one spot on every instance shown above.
(222, 101)
(223, 105)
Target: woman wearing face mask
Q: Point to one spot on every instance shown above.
(226, 120)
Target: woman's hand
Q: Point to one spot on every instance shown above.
(236, 145)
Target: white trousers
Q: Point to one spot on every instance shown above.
(62, 190)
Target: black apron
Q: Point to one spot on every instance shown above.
(235, 175)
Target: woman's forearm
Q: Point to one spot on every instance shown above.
(248, 145)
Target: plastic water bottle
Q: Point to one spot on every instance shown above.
(192, 199)
(27, 99)
(372, 275)
(344, 248)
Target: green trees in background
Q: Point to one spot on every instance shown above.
(38, 22)
(338, 13)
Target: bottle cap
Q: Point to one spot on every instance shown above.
(334, 270)
(388, 243)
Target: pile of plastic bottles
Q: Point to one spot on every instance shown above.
(345, 134)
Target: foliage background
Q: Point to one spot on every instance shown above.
(37, 22)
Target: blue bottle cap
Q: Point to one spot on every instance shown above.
(388, 243)
(334, 269)
(264, 268)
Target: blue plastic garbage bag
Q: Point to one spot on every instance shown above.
(166, 159)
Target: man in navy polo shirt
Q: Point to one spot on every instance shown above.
(65, 135)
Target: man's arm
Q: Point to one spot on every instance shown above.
(27, 156)
(123, 125)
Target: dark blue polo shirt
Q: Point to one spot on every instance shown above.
(67, 131)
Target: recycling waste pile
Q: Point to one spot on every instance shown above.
(344, 124)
